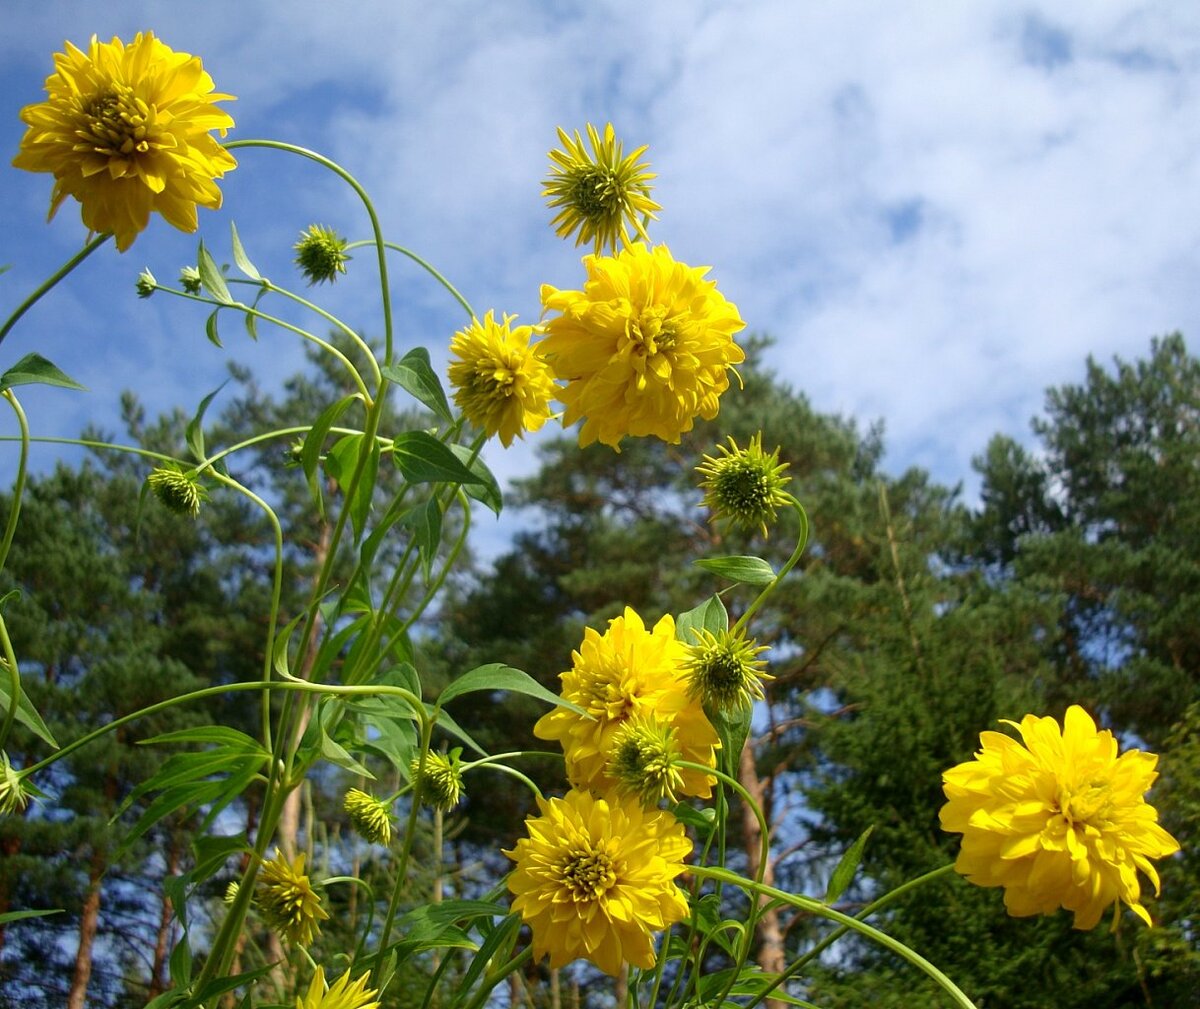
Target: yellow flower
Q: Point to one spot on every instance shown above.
(369, 816)
(598, 192)
(1060, 821)
(502, 384)
(626, 672)
(287, 900)
(126, 131)
(595, 879)
(645, 347)
(744, 486)
(342, 994)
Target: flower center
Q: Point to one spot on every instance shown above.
(587, 874)
(652, 332)
(600, 693)
(596, 193)
(115, 122)
(1090, 803)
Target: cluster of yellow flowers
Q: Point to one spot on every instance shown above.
(1058, 819)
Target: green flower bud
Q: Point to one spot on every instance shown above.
(181, 493)
(744, 487)
(724, 672)
(440, 783)
(369, 816)
(321, 254)
(189, 279)
(146, 284)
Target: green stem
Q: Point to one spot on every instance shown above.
(406, 848)
(10, 527)
(427, 267)
(380, 245)
(14, 683)
(812, 906)
(801, 543)
(50, 281)
(495, 977)
(799, 963)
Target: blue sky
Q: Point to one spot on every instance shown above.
(937, 210)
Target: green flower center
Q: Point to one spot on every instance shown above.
(116, 123)
(587, 874)
(597, 193)
(1090, 803)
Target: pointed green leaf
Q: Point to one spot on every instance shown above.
(497, 676)
(27, 714)
(710, 616)
(240, 257)
(314, 441)
(487, 490)
(415, 375)
(210, 328)
(33, 369)
(8, 916)
(425, 521)
(337, 754)
(747, 570)
(342, 461)
(424, 459)
(211, 277)
(194, 435)
(847, 866)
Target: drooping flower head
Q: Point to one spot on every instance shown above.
(644, 760)
(14, 796)
(1060, 821)
(625, 672)
(126, 130)
(321, 254)
(287, 901)
(369, 816)
(440, 781)
(645, 348)
(744, 486)
(595, 878)
(179, 492)
(342, 994)
(724, 672)
(502, 384)
(602, 195)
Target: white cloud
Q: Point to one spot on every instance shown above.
(937, 210)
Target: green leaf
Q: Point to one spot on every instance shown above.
(342, 461)
(415, 375)
(710, 616)
(211, 277)
(487, 490)
(497, 676)
(210, 328)
(424, 459)
(240, 257)
(213, 852)
(847, 866)
(449, 725)
(19, 915)
(733, 727)
(180, 964)
(194, 435)
(425, 521)
(314, 441)
(690, 816)
(27, 714)
(747, 570)
(337, 754)
(33, 369)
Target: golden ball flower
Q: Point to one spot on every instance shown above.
(1059, 820)
(645, 348)
(602, 195)
(287, 901)
(744, 486)
(321, 254)
(179, 492)
(628, 671)
(369, 816)
(342, 994)
(502, 384)
(127, 131)
(724, 672)
(595, 878)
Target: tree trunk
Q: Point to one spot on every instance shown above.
(771, 957)
(87, 933)
(162, 941)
